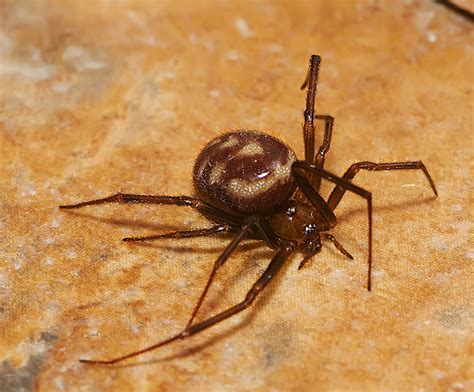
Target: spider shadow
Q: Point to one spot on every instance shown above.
(261, 301)
(162, 244)
(124, 222)
(248, 265)
(183, 249)
(346, 215)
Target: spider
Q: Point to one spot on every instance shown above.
(252, 185)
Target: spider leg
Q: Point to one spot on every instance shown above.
(310, 252)
(338, 192)
(267, 234)
(338, 246)
(262, 228)
(320, 156)
(305, 260)
(315, 198)
(127, 198)
(273, 268)
(241, 235)
(324, 148)
(346, 185)
(317, 248)
(308, 127)
(217, 229)
(311, 82)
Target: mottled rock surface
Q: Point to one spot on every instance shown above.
(98, 97)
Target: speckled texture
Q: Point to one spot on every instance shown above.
(98, 97)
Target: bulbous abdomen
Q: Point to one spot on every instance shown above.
(245, 172)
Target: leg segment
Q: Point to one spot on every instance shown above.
(241, 235)
(272, 269)
(338, 246)
(324, 148)
(315, 198)
(126, 198)
(346, 185)
(218, 229)
(316, 245)
(320, 156)
(312, 248)
(338, 191)
(308, 128)
(267, 234)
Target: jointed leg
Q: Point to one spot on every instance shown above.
(272, 269)
(217, 229)
(219, 262)
(309, 116)
(347, 185)
(338, 246)
(263, 228)
(126, 198)
(308, 128)
(315, 198)
(338, 191)
(317, 248)
(324, 148)
(320, 156)
(312, 248)
(241, 235)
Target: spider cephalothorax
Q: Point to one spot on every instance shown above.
(251, 184)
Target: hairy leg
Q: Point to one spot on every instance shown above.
(217, 229)
(338, 191)
(128, 198)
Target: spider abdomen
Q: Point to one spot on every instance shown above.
(245, 172)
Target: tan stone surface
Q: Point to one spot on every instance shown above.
(99, 96)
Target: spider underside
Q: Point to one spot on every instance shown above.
(251, 184)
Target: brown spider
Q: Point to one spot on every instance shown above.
(251, 184)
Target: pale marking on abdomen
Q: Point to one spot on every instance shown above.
(250, 189)
(216, 173)
(232, 141)
(252, 148)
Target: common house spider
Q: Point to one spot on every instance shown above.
(252, 185)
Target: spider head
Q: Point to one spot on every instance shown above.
(297, 221)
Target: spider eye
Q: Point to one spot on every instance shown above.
(310, 229)
(291, 211)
